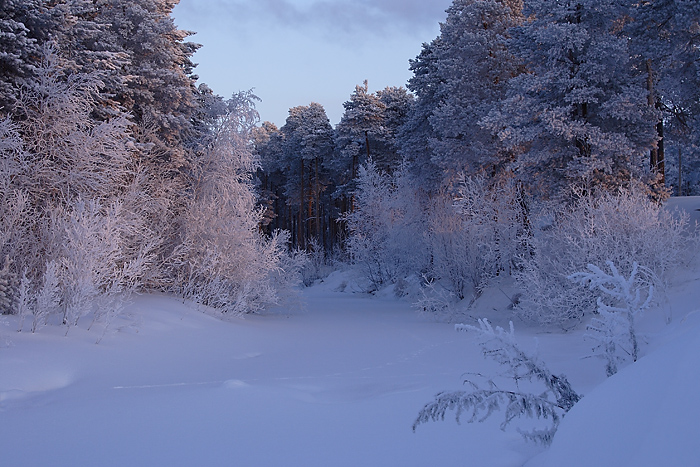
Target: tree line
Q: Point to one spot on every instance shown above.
(112, 155)
(556, 94)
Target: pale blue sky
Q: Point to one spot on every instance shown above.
(294, 52)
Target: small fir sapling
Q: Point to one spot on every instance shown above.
(557, 398)
(623, 300)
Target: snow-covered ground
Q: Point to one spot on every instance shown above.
(336, 381)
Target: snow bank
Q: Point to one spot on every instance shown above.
(646, 415)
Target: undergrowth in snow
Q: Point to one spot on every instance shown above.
(336, 381)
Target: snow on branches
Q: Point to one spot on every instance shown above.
(551, 404)
(621, 227)
(626, 298)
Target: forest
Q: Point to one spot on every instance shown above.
(534, 138)
(532, 161)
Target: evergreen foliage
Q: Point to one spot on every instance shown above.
(579, 114)
(458, 79)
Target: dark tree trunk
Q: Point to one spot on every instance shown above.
(300, 235)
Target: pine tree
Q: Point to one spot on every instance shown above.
(307, 146)
(579, 115)
(664, 38)
(20, 45)
(159, 89)
(474, 67)
(415, 134)
(359, 127)
(458, 78)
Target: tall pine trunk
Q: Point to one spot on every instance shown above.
(301, 243)
(656, 155)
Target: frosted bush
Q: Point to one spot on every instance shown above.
(9, 284)
(386, 227)
(622, 300)
(621, 227)
(47, 298)
(95, 267)
(477, 236)
(317, 264)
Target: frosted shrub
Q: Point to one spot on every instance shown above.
(63, 175)
(95, 269)
(237, 277)
(552, 400)
(622, 300)
(18, 245)
(224, 261)
(48, 296)
(621, 227)
(436, 302)
(459, 260)
(89, 270)
(9, 284)
(385, 229)
(66, 152)
(477, 236)
(317, 265)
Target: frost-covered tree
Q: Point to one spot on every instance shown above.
(85, 44)
(385, 226)
(67, 153)
(19, 46)
(306, 150)
(475, 235)
(67, 156)
(267, 146)
(621, 227)
(580, 112)
(224, 261)
(458, 78)
(415, 134)
(384, 148)
(359, 126)
(623, 300)
(96, 271)
(474, 66)
(16, 212)
(664, 36)
(72, 223)
(154, 79)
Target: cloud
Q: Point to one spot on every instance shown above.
(331, 18)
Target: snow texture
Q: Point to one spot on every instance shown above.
(337, 383)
